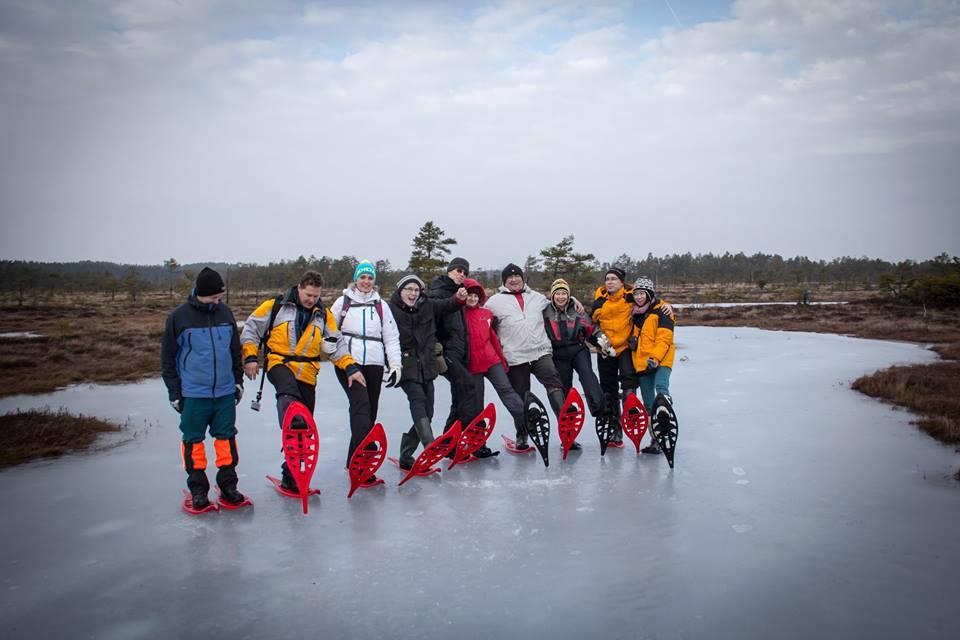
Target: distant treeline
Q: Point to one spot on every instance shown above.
(28, 278)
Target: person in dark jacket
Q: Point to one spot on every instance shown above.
(416, 316)
(569, 332)
(203, 372)
(452, 334)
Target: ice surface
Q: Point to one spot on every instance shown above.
(798, 509)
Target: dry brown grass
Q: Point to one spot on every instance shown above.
(29, 435)
(881, 321)
(91, 339)
(932, 390)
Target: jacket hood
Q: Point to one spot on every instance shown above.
(470, 283)
(193, 302)
(503, 289)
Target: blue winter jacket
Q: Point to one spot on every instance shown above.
(200, 351)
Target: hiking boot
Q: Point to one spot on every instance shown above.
(653, 447)
(522, 443)
(199, 500)
(230, 495)
(298, 423)
(575, 446)
(405, 465)
(485, 452)
(369, 482)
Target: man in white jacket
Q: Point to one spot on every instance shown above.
(518, 310)
(369, 334)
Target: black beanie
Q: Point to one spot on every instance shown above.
(459, 263)
(209, 283)
(510, 270)
(617, 271)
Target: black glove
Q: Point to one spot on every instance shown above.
(177, 404)
(632, 343)
(237, 394)
(393, 377)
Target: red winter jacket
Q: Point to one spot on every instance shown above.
(484, 346)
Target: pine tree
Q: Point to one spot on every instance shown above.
(430, 249)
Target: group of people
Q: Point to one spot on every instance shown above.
(449, 328)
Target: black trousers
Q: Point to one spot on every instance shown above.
(420, 398)
(463, 401)
(581, 363)
(364, 402)
(543, 368)
(617, 373)
(290, 389)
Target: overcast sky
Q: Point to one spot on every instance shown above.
(253, 131)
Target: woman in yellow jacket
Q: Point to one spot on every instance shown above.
(652, 348)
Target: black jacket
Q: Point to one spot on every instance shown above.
(418, 334)
(451, 329)
(200, 351)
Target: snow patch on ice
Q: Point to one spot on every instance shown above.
(413, 514)
(585, 509)
(28, 335)
(742, 528)
(743, 482)
(738, 471)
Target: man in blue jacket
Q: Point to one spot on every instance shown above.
(203, 371)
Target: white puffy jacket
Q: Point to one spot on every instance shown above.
(367, 338)
(521, 331)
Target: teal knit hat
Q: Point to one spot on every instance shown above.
(365, 268)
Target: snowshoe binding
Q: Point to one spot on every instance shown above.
(570, 422)
(665, 427)
(538, 426)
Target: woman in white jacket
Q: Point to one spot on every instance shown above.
(367, 327)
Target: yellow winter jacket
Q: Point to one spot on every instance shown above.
(611, 312)
(319, 341)
(654, 337)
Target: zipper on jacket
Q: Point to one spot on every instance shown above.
(213, 347)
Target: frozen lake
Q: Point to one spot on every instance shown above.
(798, 509)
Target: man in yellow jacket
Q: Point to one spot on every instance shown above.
(612, 307)
(296, 332)
(652, 346)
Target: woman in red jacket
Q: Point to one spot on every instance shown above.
(486, 359)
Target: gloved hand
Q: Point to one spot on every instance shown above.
(177, 405)
(237, 394)
(393, 376)
(632, 343)
(606, 349)
(652, 364)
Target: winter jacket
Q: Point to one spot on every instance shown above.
(612, 315)
(369, 338)
(200, 351)
(418, 333)
(653, 332)
(520, 324)
(567, 330)
(299, 338)
(485, 348)
(451, 329)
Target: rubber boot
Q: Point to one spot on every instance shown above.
(556, 399)
(408, 445)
